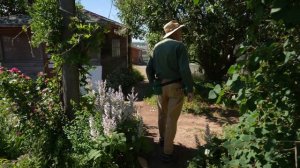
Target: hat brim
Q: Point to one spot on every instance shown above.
(171, 32)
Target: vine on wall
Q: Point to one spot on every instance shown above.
(47, 26)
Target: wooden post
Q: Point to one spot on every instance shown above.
(129, 41)
(70, 72)
(296, 155)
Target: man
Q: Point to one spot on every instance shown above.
(168, 70)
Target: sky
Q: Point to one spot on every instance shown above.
(102, 7)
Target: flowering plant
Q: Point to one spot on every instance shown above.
(107, 129)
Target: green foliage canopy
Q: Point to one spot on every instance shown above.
(13, 7)
(265, 85)
(213, 28)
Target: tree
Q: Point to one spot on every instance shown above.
(213, 28)
(13, 7)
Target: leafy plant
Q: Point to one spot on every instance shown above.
(264, 84)
(35, 131)
(125, 78)
(213, 28)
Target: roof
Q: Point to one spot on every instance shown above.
(20, 20)
(14, 20)
(93, 17)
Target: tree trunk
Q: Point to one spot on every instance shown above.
(129, 43)
(70, 72)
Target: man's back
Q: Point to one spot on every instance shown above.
(170, 61)
(165, 59)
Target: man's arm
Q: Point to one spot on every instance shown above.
(184, 69)
(150, 71)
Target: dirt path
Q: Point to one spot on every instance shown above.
(190, 131)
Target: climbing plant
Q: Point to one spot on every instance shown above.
(46, 26)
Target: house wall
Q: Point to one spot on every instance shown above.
(15, 51)
(109, 62)
(136, 55)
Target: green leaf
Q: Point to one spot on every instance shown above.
(196, 2)
(94, 154)
(229, 82)
(231, 70)
(288, 55)
(235, 77)
(221, 94)
(217, 89)
(246, 138)
(274, 10)
(212, 94)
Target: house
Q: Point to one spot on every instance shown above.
(143, 46)
(16, 51)
(136, 55)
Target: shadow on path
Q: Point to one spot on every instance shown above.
(220, 116)
(181, 154)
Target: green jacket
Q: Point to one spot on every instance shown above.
(170, 61)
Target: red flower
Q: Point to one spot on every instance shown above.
(27, 77)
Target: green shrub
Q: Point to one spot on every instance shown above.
(125, 78)
(265, 86)
(35, 131)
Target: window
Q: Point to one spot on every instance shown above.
(116, 50)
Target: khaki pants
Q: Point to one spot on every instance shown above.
(169, 109)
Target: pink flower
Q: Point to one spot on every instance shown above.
(45, 90)
(22, 75)
(1, 69)
(14, 70)
(41, 74)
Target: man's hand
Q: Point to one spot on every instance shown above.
(190, 97)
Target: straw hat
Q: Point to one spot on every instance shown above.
(171, 27)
